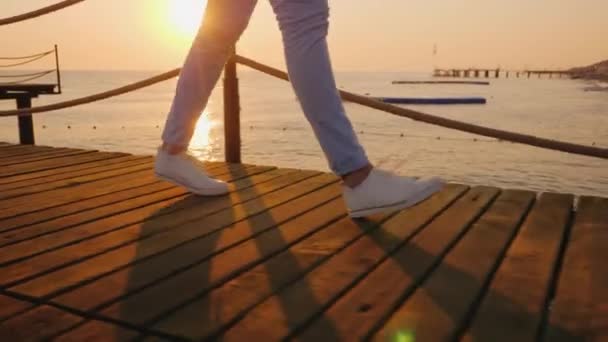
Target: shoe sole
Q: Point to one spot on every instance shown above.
(199, 192)
(410, 202)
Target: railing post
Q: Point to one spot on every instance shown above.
(57, 71)
(26, 122)
(232, 109)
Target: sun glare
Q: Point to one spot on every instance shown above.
(185, 15)
(201, 141)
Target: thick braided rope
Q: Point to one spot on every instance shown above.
(93, 98)
(359, 99)
(30, 78)
(447, 123)
(31, 60)
(39, 12)
(26, 57)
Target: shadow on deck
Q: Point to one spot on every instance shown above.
(93, 246)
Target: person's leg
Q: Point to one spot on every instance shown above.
(224, 22)
(304, 25)
(222, 26)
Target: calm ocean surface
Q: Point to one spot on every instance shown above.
(274, 131)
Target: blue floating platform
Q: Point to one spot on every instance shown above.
(433, 101)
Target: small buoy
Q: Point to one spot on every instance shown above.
(402, 135)
(157, 126)
(284, 128)
(360, 132)
(593, 144)
(474, 139)
(69, 127)
(94, 127)
(43, 126)
(438, 138)
(250, 127)
(123, 127)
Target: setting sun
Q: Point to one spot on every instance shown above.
(185, 15)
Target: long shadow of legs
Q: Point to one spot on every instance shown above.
(448, 283)
(160, 268)
(200, 267)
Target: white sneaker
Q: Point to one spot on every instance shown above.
(383, 191)
(185, 170)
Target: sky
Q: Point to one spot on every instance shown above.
(365, 35)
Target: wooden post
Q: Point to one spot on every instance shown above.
(26, 122)
(57, 72)
(232, 109)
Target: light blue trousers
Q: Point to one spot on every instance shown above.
(304, 25)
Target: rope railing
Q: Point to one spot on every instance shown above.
(93, 98)
(38, 12)
(27, 57)
(444, 122)
(348, 96)
(28, 78)
(30, 60)
(26, 75)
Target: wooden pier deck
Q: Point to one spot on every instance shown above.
(94, 248)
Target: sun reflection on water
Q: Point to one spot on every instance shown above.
(204, 138)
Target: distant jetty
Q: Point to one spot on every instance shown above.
(497, 73)
(597, 71)
(443, 82)
(433, 100)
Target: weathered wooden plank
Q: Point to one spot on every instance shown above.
(23, 151)
(91, 160)
(210, 314)
(35, 202)
(10, 306)
(277, 316)
(138, 309)
(164, 233)
(120, 215)
(106, 165)
(8, 146)
(580, 309)
(198, 251)
(47, 220)
(45, 155)
(8, 157)
(25, 227)
(97, 331)
(38, 324)
(513, 305)
(217, 305)
(438, 309)
(356, 313)
(46, 164)
(75, 181)
(67, 191)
